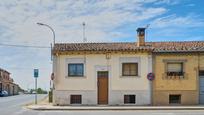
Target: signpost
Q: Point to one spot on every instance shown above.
(36, 74)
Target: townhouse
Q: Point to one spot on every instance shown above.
(179, 71)
(102, 73)
(7, 83)
(118, 73)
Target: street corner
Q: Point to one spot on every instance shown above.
(35, 107)
(42, 102)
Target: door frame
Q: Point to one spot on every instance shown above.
(1, 86)
(200, 76)
(107, 88)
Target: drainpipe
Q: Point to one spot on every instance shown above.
(198, 78)
(152, 82)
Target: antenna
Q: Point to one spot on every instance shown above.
(147, 26)
(84, 39)
(84, 36)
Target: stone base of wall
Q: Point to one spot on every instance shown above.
(116, 97)
(62, 97)
(187, 97)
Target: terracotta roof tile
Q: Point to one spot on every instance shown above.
(99, 47)
(186, 46)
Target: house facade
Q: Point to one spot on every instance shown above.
(7, 83)
(116, 73)
(179, 71)
(102, 73)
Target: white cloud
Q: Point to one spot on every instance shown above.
(169, 2)
(66, 18)
(174, 21)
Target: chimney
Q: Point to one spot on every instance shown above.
(141, 37)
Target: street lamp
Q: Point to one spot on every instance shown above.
(53, 32)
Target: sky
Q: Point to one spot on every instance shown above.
(106, 21)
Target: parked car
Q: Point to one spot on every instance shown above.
(3, 93)
(34, 92)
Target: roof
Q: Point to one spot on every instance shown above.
(4, 70)
(99, 47)
(184, 46)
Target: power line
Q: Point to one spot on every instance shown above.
(25, 46)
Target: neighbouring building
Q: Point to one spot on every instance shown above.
(7, 83)
(102, 73)
(179, 71)
(116, 73)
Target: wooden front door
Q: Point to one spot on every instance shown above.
(102, 87)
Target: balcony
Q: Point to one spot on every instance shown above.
(174, 75)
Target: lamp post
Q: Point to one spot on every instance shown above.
(53, 32)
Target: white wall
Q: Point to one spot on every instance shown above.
(117, 83)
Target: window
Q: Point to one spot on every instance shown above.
(1, 87)
(201, 73)
(76, 70)
(174, 99)
(75, 99)
(129, 99)
(130, 69)
(102, 73)
(175, 69)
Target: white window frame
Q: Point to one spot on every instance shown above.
(74, 61)
(130, 60)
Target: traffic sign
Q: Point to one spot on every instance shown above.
(36, 73)
(52, 76)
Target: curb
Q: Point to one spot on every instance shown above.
(112, 108)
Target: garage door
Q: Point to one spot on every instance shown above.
(201, 74)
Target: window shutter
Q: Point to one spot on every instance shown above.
(130, 69)
(126, 69)
(174, 67)
(133, 69)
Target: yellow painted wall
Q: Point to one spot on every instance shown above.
(188, 83)
(202, 62)
(188, 87)
(187, 97)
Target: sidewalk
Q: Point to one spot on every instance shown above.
(51, 107)
(45, 105)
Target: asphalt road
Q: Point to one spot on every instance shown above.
(13, 106)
